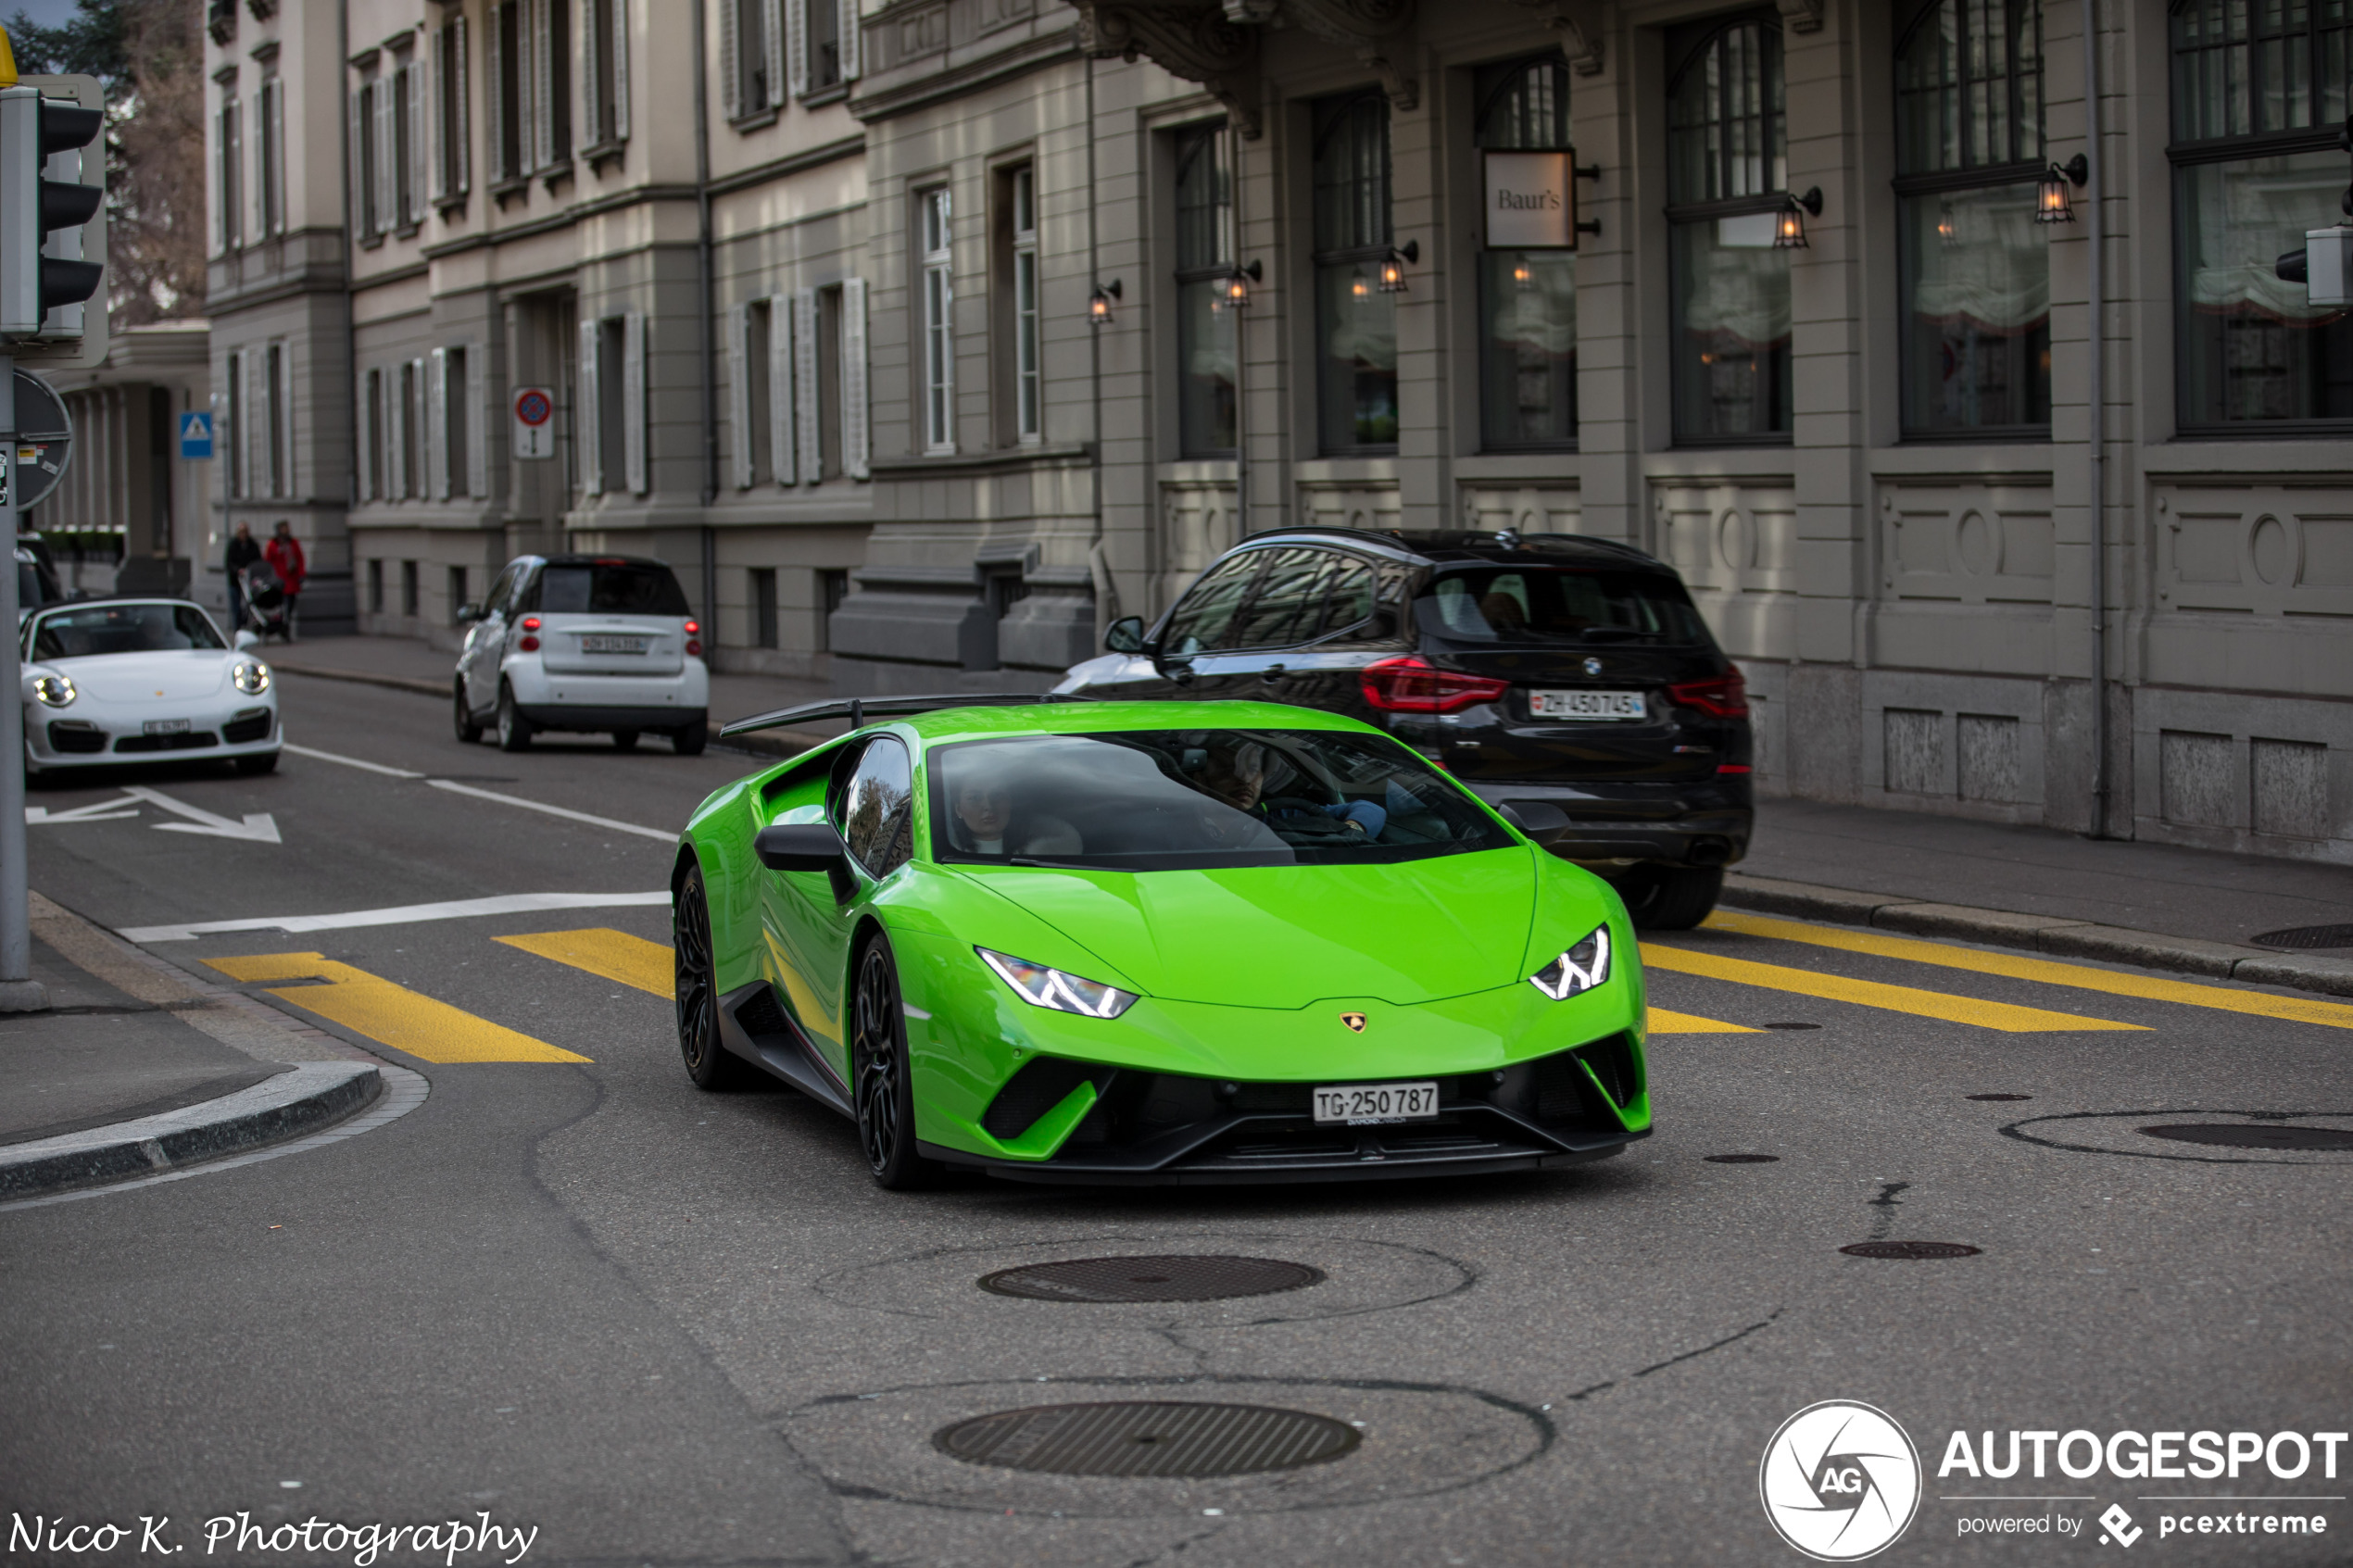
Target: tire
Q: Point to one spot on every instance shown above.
(879, 1077)
(514, 729)
(625, 740)
(1671, 897)
(689, 739)
(709, 1065)
(257, 762)
(468, 731)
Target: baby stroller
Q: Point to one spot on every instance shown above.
(267, 610)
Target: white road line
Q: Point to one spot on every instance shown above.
(667, 835)
(402, 914)
(351, 762)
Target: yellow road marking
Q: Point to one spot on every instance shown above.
(390, 1014)
(1871, 994)
(2049, 972)
(616, 955)
(1665, 1023)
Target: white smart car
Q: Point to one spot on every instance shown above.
(591, 643)
(132, 680)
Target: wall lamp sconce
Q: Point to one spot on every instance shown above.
(1099, 303)
(2053, 201)
(1789, 224)
(1233, 289)
(1393, 267)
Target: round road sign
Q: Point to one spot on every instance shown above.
(44, 441)
(533, 407)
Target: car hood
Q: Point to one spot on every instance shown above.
(179, 675)
(1284, 937)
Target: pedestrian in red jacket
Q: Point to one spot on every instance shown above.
(285, 555)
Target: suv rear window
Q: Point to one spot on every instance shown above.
(613, 587)
(1524, 605)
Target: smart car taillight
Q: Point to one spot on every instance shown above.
(693, 627)
(694, 649)
(1722, 697)
(530, 623)
(1410, 685)
(529, 645)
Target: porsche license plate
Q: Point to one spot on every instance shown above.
(166, 727)
(1587, 704)
(593, 643)
(1376, 1102)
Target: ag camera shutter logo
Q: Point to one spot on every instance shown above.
(1839, 1481)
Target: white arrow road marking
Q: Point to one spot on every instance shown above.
(102, 812)
(257, 826)
(403, 914)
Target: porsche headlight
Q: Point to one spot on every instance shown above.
(1043, 987)
(1580, 969)
(55, 691)
(250, 676)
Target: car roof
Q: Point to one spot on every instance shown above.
(577, 559)
(102, 600)
(1456, 546)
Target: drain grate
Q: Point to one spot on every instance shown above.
(2001, 1096)
(1910, 1251)
(1789, 1026)
(2307, 939)
(1741, 1158)
(1147, 1437)
(2272, 1134)
(1177, 1277)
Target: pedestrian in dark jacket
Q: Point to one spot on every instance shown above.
(244, 550)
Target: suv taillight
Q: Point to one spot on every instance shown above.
(1724, 697)
(1408, 685)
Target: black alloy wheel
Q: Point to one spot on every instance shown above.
(879, 1074)
(514, 729)
(468, 731)
(1671, 897)
(696, 987)
(625, 740)
(689, 739)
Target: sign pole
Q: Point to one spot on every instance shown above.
(19, 991)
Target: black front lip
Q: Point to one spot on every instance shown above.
(1362, 1166)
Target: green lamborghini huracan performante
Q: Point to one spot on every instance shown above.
(1154, 941)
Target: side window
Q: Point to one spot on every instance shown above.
(1205, 614)
(496, 600)
(1305, 594)
(875, 813)
(526, 594)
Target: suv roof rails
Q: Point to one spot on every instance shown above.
(1419, 540)
(858, 710)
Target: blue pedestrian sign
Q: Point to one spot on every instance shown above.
(196, 437)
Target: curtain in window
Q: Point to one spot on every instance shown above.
(1355, 322)
(1528, 298)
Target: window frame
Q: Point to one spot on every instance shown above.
(935, 247)
(1498, 79)
(1330, 117)
(1188, 144)
(1020, 311)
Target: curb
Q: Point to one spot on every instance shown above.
(2045, 934)
(304, 1099)
(767, 743)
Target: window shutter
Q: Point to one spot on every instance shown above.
(797, 38)
(543, 84)
(477, 393)
(730, 76)
(786, 395)
(442, 84)
(222, 187)
(255, 169)
(232, 158)
(856, 436)
(461, 113)
(808, 403)
(367, 474)
(588, 419)
(412, 206)
(632, 400)
(396, 436)
(592, 47)
(618, 43)
(739, 391)
(848, 29)
(380, 97)
(281, 405)
(773, 20)
(494, 92)
(437, 421)
(249, 482)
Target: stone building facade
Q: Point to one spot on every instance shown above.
(925, 336)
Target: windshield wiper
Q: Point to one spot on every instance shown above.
(1053, 865)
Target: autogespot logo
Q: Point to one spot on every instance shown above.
(1840, 1480)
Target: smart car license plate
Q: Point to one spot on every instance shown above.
(592, 642)
(1376, 1102)
(1587, 704)
(166, 726)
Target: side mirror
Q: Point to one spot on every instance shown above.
(1547, 823)
(807, 847)
(245, 640)
(467, 614)
(1126, 635)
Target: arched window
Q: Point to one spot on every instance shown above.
(1527, 298)
(1728, 171)
(2258, 94)
(1356, 321)
(1976, 266)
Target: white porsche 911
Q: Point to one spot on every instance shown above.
(144, 680)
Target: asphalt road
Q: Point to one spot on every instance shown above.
(664, 1326)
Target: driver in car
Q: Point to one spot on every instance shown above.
(1236, 774)
(989, 822)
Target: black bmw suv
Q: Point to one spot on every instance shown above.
(1568, 679)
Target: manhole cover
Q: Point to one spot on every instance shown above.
(1177, 1277)
(1910, 1251)
(1147, 1437)
(1741, 1158)
(2305, 938)
(2001, 1096)
(2240, 1134)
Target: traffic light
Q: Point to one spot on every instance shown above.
(50, 221)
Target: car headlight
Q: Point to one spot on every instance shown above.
(1579, 970)
(1043, 987)
(55, 691)
(250, 677)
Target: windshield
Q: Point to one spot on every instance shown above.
(1194, 799)
(101, 629)
(614, 587)
(1523, 605)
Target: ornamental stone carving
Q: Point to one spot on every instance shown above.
(1197, 41)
